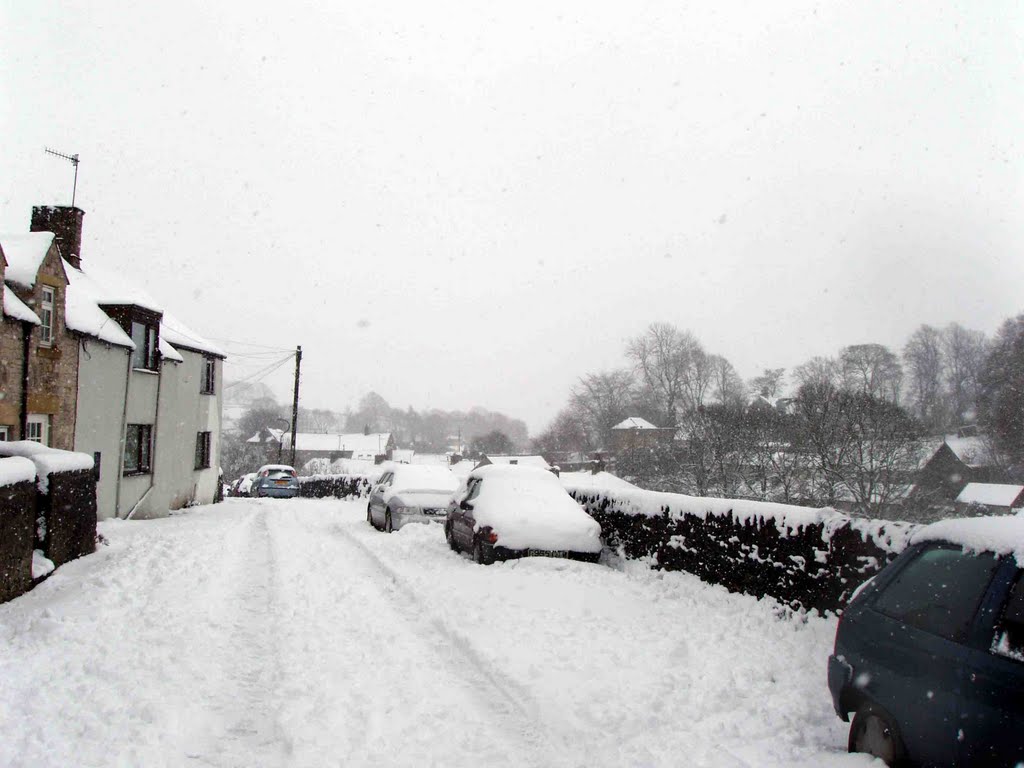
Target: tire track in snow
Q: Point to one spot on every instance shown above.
(244, 698)
(510, 701)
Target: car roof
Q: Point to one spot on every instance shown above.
(282, 467)
(1000, 534)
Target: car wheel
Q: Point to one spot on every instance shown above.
(481, 554)
(874, 733)
(369, 516)
(388, 527)
(450, 538)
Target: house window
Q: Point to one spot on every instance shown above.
(38, 428)
(209, 376)
(138, 449)
(146, 344)
(46, 317)
(4, 433)
(203, 450)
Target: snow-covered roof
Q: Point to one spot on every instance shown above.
(83, 314)
(972, 451)
(89, 290)
(522, 461)
(993, 494)
(1002, 534)
(15, 308)
(634, 422)
(361, 445)
(25, 253)
(183, 337)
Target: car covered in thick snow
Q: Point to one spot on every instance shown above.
(277, 480)
(507, 511)
(929, 655)
(243, 485)
(410, 493)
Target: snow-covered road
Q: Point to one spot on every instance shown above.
(289, 633)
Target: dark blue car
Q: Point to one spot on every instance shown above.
(929, 656)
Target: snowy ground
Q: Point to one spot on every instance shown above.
(289, 633)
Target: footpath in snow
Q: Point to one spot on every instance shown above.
(289, 633)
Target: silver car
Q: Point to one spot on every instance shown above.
(410, 493)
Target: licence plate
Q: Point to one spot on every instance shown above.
(547, 553)
(281, 482)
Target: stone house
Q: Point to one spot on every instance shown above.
(132, 386)
(41, 372)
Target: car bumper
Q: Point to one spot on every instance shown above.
(398, 519)
(839, 676)
(503, 553)
(278, 493)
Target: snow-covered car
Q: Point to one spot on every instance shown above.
(929, 655)
(277, 480)
(507, 511)
(243, 485)
(410, 493)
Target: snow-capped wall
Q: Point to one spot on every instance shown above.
(17, 525)
(813, 558)
(64, 503)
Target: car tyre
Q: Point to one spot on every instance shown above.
(449, 536)
(874, 733)
(369, 516)
(388, 525)
(481, 554)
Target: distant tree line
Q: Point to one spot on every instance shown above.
(849, 430)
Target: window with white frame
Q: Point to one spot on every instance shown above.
(46, 316)
(5, 433)
(38, 428)
(145, 337)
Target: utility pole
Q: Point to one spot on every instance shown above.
(295, 401)
(74, 161)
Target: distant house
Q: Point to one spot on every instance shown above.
(635, 432)
(951, 464)
(374, 446)
(524, 461)
(996, 498)
(111, 374)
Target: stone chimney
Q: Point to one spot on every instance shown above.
(66, 223)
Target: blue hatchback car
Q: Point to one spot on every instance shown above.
(929, 655)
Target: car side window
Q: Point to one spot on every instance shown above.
(1009, 639)
(385, 480)
(939, 591)
(474, 489)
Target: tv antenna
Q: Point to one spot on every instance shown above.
(74, 161)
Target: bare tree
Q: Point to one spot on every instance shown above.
(673, 367)
(726, 385)
(602, 400)
(768, 383)
(925, 365)
(965, 352)
(871, 369)
(818, 371)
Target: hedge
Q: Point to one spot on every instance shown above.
(806, 558)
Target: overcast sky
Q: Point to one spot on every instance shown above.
(455, 205)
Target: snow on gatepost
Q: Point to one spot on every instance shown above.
(46, 460)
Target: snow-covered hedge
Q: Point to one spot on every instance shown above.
(17, 525)
(338, 486)
(812, 558)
